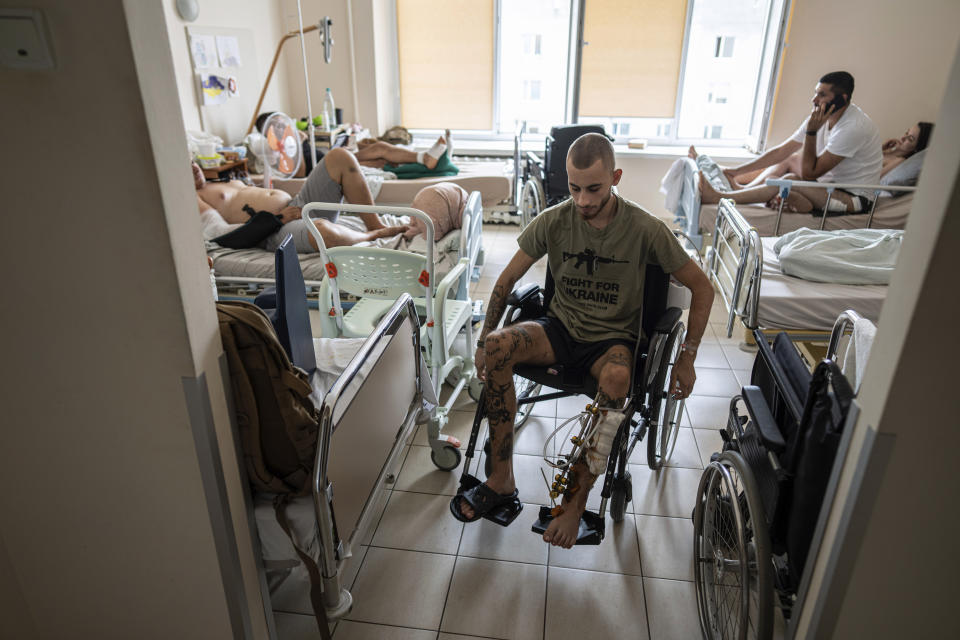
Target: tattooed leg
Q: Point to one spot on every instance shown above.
(504, 348)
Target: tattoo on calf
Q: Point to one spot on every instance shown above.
(606, 401)
(499, 412)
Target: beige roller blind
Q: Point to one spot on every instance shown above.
(446, 63)
(631, 66)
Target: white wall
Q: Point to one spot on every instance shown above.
(263, 19)
(106, 530)
(898, 52)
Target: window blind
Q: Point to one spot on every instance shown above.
(446, 63)
(631, 58)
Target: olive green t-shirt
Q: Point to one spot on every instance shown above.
(599, 272)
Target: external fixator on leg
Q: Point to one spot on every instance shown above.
(590, 435)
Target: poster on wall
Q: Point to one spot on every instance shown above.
(228, 49)
(204, 51)
(214, 89)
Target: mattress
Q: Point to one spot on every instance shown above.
(492, 178)
(259, 263)
(891, 213)
(792, 303)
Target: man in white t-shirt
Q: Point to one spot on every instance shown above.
(836, 143)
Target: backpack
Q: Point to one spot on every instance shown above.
(278, 423)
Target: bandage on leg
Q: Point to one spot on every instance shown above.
(598, 448)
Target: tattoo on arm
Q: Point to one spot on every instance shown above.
(498, 304)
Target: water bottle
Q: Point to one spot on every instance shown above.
(329, 112)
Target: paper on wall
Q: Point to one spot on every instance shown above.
(204, 51)
(228, 48)
(214, 88)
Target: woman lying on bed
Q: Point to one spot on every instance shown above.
(238, 216)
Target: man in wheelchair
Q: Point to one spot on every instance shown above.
(597, 245)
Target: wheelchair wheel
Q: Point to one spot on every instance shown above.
(531, 201)
(620, 495)
(525, 389)
(732, 564)
(664, 408)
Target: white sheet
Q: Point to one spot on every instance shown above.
(792, 303)
(851, 256)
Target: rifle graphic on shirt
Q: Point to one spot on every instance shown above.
(591, 259)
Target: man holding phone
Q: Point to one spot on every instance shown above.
(838, 143)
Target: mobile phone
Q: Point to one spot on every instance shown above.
(838, 102)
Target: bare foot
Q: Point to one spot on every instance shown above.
(692, 152)
(563, 529)
(387, 232)
(708, 195)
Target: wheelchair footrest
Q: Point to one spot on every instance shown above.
(592, 526)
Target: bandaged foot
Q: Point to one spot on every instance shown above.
(430, 157)
(598, 448)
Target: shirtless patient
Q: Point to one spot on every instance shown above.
(337, 176)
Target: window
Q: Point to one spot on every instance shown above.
(673, 72)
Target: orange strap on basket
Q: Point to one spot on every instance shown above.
(430, 324)
(332, 312)
(331, 269)
(424, 278)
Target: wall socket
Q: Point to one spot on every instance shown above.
(24, 41)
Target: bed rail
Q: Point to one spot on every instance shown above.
(471, 241)
(334, 550)
(786, 185)
(735, 264)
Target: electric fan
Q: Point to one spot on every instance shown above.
(280, 148)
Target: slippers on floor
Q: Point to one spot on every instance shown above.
(499, 508)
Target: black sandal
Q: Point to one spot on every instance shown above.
(499, 508)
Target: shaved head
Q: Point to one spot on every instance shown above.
(589, 148)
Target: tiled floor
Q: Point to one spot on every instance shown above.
(426, 575)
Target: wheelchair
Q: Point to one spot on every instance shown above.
(758, 500)
(650, 410)
(545, 180)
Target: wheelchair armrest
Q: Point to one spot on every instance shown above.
(668, 320)
(523, 293)
(759, 412)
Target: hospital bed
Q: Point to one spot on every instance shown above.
(747, 274)
(246, 271)
(889, 211)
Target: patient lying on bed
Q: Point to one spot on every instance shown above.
(227, 206)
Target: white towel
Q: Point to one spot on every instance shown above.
(671, 185)
(846, 256)
(858, 352)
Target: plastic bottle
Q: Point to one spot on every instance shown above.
(329, 112)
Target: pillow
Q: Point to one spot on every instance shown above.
(906, 173)
(713, 173)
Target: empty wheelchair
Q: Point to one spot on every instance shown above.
(650, 410)
(759, 499)
(545, 180)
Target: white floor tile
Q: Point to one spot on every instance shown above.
(588, 604)
(743, 376)
(716, 382)
(738, 357)
(526, 473)
(401, 588)
(421, 475)
(708, 442)
(710, 356)
(669, 492)
(666, 547)
(532, 436)
(419, 522)
(456, 636)
(496, 599)
(349, 630)
(516, 543)
(293, 594)
(685, 452)
(618, 553)
(571, 406)
(706, 412)
(672, 609)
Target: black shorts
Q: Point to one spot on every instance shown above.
(573, 353)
